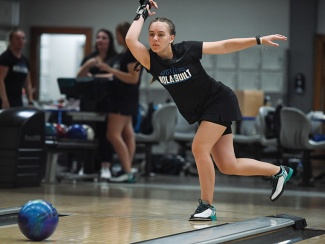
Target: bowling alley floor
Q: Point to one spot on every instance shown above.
(158, 206)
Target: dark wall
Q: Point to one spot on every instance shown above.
(303, 28)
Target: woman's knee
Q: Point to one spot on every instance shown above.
(227, 167)
(111, 137)
(226, 170)
(198, 150)
(201, 156)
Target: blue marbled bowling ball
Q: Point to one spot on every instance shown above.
(37, 220)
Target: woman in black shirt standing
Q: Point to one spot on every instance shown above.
(101, 91)
(14, 72)
(124, 105)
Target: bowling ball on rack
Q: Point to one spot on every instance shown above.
(90, 132)
(37, 220)
(50, 130)
(61, 130)
(77, 131)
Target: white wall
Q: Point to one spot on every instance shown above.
(60, 57)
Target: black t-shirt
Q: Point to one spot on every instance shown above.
(192, 89)
(99, 89)
(124, 91)
(18, 69)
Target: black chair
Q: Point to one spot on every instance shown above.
(164, 124)
(295, 139)
(268, 126)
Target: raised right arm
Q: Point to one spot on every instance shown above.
(139, 51)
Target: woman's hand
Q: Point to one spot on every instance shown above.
(92, 62)
(104, 67)
(269, 40)
(152, 4)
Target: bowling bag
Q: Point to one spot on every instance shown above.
(169, 165)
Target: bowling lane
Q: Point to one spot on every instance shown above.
(154, 207)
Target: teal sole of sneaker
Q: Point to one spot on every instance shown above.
(213, 218)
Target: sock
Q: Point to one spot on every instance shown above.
(205, 203)
(278, 172)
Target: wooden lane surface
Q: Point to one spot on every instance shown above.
(101, 213)
(113, 221)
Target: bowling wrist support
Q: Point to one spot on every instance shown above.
(259, 40)
(142, 10)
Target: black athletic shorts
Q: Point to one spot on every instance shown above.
(228, 127)
(226, 124)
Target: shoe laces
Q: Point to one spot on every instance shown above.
(202, 206)
(273, 178)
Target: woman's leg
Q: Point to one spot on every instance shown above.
(116, 126)
(224, 157)
(129, 138)
(106, 151)
(206, 137)
(209, 140)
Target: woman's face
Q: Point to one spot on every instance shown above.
(102, 41)
(119, 38)
(159, 36)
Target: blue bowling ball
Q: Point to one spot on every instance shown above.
(37, 220)
(77, 131)
(319, 137)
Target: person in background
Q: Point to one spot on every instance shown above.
(102, 91)
(202, 99)
(15, 73)
(124, 105)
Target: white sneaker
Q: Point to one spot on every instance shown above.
(81, 171)
(278, 181)
(105, 173)
(204, 212)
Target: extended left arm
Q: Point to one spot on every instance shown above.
(237, 44)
